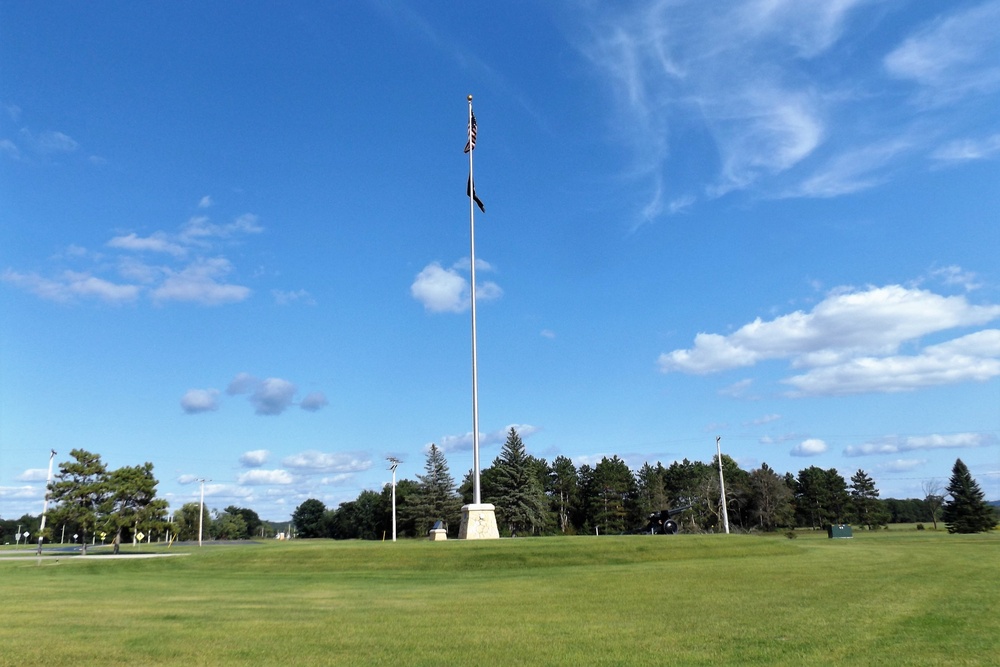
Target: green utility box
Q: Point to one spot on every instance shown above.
(840, 530)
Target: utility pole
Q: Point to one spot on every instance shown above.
(722, 485)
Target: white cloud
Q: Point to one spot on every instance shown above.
(322, 462)
(187, 275)
(443, 290)
(199, 229)
(34, 475)
(460, 443)
(20, 492)
(766, 419)
(199, 283)
(810, 447)
(897, 445)
(849, 342)
(901, 465)
(440, 290)
(283, 298)
(156, 243)
(314, 401)
(205, 202)
(70, 285)
(272, 396)
(955, 275)
(261, 477)
(243, 383)
(254, 458)
(200, 400)
(972, 358)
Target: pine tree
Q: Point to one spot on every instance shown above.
(436, 498)
(80, 490)
(517, 492)
(563, 489)
(966, 511)
(867, 507)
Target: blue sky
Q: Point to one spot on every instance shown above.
(235, 239)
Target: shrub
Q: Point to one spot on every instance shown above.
(920, 526)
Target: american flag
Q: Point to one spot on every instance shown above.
(470, 145)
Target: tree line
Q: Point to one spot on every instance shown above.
(531, 495)
(535, 497)
(90, 503)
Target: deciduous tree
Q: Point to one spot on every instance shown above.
(309, 519)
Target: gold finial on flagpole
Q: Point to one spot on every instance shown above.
(470, 98)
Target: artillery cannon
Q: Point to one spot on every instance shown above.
(662, 522)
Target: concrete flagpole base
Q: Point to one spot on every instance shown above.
(479, 522)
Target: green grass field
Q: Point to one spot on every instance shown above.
(898, 597)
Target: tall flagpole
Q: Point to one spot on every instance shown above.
(478, 518)
(476, 496)
(722, 485)
(45, 504)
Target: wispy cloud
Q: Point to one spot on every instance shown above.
(965, 150)
(758, 79)
(265, 477)
(897, 444)
(188, 267)
(459, 443)
(325, 462)
(953, 56)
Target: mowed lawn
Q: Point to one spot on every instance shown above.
(897, 597)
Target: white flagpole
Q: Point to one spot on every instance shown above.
(476, 496)
(722, 485)
(45, 504)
